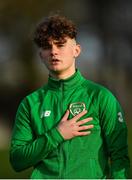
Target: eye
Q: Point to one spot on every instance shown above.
(46, 47)
(60, 45)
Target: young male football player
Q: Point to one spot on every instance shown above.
(70, 128)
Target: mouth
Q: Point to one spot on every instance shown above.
(54, 61)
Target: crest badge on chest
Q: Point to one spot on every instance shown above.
(76, 108)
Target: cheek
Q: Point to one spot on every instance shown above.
(44, 55)
(44, 58)
(69, 53)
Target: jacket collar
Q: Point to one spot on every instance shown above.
(65, 84)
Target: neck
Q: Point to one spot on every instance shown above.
(59, 75)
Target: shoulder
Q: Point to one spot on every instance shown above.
(99, 92)
(97, 88)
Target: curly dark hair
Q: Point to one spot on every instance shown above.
(56, 27)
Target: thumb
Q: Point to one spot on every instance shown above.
(65, 117)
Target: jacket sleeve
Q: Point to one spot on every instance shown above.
(115, 134)
(25, 149)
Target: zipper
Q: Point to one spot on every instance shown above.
(65, 146)
(61, 173)
(62, 96)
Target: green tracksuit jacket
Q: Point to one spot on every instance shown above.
(36, 141)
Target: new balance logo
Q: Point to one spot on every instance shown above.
(45, 113)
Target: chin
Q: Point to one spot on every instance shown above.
(56, 70)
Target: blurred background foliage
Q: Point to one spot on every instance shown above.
(105, 34)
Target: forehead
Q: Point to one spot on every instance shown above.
(60, 40)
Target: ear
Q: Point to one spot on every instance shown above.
(77, 50)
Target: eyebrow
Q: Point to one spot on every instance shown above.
(57, 43)
(61, 41)
(49, 45)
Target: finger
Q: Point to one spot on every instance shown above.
(65, 117)
(84, 121)
(85, 127)
(78, 116)
(83, 133)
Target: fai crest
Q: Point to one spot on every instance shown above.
(76, 108)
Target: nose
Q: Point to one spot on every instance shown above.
(54, 50)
